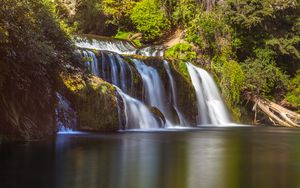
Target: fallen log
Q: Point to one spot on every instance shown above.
(277, 114)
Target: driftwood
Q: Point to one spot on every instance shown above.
(277, 114)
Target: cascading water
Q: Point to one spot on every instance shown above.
(137, 114)
(105, 44)
(211, 108)
(65, 115)
(182, 120)
(154, 92)
(118, 72)
(91, 61)
(157, 51)
(113, 68)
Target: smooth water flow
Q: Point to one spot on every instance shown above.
(154, 92)
(158, 107)
(157, 51)
(211, 108)
(105, 44)
(117, 71)
(113, 68)
(173, 91)
(91, 61)
(65, 115)
(138, 116)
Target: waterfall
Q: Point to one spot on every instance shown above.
(151, 51)
(137, 114)
(65, 116)
(113, 69)
(117, 46)
(117, 71)
(156, 108)
(105, 44)
(174, 93)
(91, 61)
(211, 108)
(154, 92)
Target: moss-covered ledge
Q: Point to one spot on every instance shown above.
(94, 101)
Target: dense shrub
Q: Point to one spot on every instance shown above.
(33, 44)
(293, 96)
(262, 76)
(181, 51)
(149, 19)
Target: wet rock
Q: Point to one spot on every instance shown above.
(94, 100)
(27, 114)
(158, 114)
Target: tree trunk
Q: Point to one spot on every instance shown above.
(279, 115)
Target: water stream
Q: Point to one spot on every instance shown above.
(111, 66)
(211, 108)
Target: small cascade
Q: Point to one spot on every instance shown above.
(211, 108)
(117, 71)
(91, 61)
(156, 109)
(154, 92)
(183, 121)
(158, 51)
(105, 44)
(120, 71)
(138, 116)
(113, 68)
(65, 116)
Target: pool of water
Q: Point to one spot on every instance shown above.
(209, 157)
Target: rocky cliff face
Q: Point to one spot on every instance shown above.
(27, 114)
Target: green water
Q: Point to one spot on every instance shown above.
(209, 157)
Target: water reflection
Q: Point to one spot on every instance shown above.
(228, 157)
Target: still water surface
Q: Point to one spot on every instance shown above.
(209, 157)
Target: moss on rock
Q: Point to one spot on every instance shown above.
(94, 100)
(186, 94)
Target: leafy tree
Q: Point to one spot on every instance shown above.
(262, 76)
(232, 82)
(266, 24)
(181, 51)
(208, 32)
(184, 12)
(33, 43)
(91, 19)
(293, 96)
(118, 12)
(149, 19)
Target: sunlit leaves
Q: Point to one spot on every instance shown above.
(149, 19)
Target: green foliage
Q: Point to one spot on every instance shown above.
(137, 43)
(123, 35)
(232, 81)
(293, 96)
(184, 11)
(262, 75)
(182, 68)
(266, 24)
(149, 19)
(117, 11)
(103, 89)
(181, 51)
(90, 17)
(208, 32)
(34, 43)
